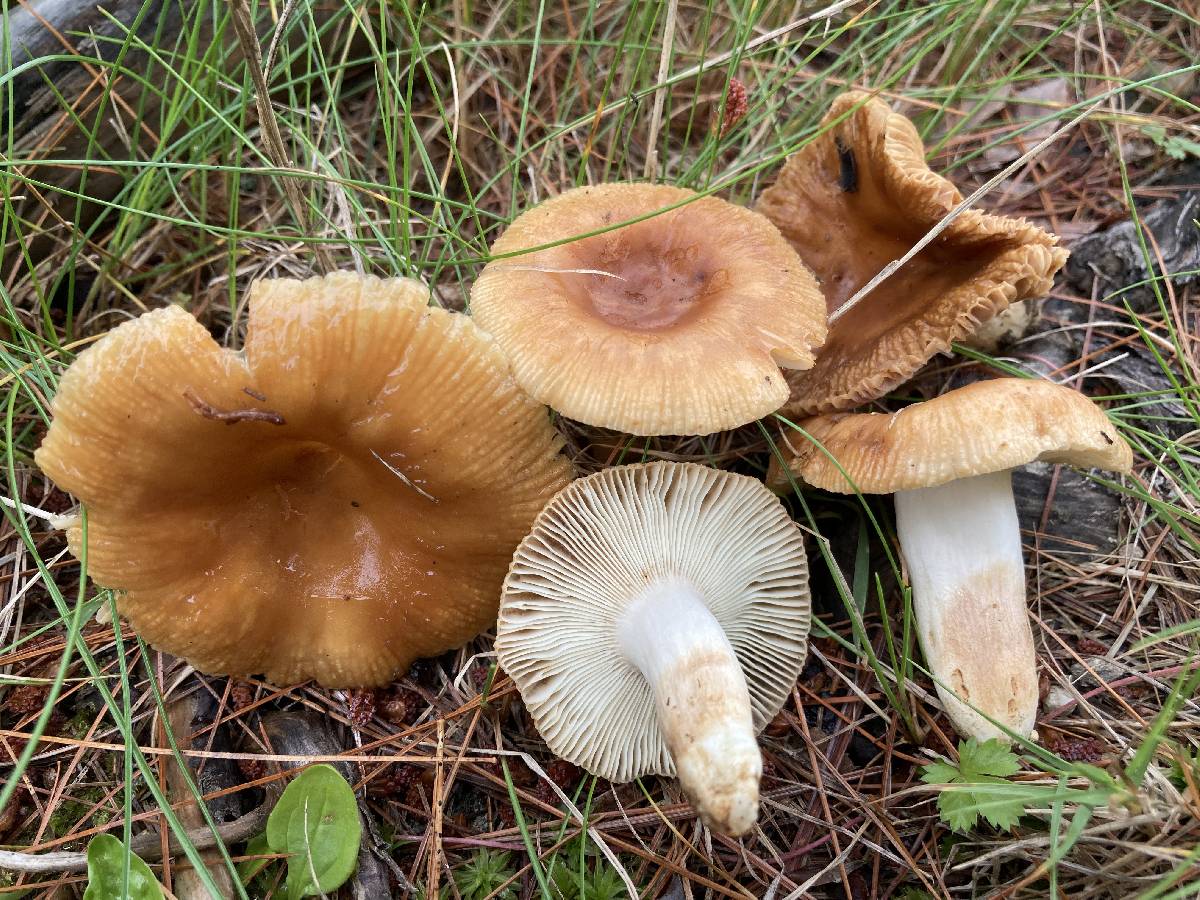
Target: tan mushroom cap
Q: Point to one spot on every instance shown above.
(595, 548)
(677, 324)
(985, 427)
(860, 196)
(359, 513)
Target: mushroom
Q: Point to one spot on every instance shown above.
(677, 323)
(948, 462)
(340, 498)
(858, 197)
(655, 620)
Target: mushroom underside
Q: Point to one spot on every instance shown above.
(703, 704)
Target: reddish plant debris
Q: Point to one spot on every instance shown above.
(492, 768)
(546, 794)
(57, 501)
(1136, 690)
(1091, 647)
(420, 788)
(10, 749)
(770, 767)
(241, 694)
(479, 675)
(504, 812)
(522, 775)
(252, 768)
(562, 773)
(779, 726)
(26, 699)
(736, 106)
(1074, 749)
(360, 707)
(401, 706)
(394, 781)
(12, 811)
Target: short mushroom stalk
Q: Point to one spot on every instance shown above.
(673, 639)
(962, 546)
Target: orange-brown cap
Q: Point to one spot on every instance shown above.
(676, 324)
(985, 427)
(860, 196)
(342, 497)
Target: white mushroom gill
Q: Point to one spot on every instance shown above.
(962, 545)
(654, 620)
(703, 704)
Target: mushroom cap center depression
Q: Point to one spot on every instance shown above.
(853, 234)
(651, 280)
(330, 518)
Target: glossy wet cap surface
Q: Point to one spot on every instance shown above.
(337, 500)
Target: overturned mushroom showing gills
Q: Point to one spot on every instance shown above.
(675, 324)
(654, 620)
(340, 498)
(860, 196)
(948, 462)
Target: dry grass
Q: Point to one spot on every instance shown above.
(503, 108)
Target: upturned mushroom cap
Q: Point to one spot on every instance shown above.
(677, 324)
(985, 427)
(860, 196)
(594, 549)
(335, 501)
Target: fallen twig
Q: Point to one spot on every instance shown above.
(147, 845)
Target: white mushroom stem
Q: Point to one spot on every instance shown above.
(962, 546)
(673, 639)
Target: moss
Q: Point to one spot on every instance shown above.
(73, 811)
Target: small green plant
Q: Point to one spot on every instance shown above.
(1185, 768)
(603, 884)
(316, 824)
(970, 786)
(482, 875)
(251, 868)
(578, 872)
(106, 857)
(1174, 145)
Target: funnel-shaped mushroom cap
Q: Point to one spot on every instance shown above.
(596, 547)
(985, 427)
(342, 497)
(677, 324)
(860, 196)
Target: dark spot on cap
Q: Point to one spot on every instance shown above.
(848, 174)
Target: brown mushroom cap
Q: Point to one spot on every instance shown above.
(860, 196)
(677, 324)
(341, 498)
(985, 427)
